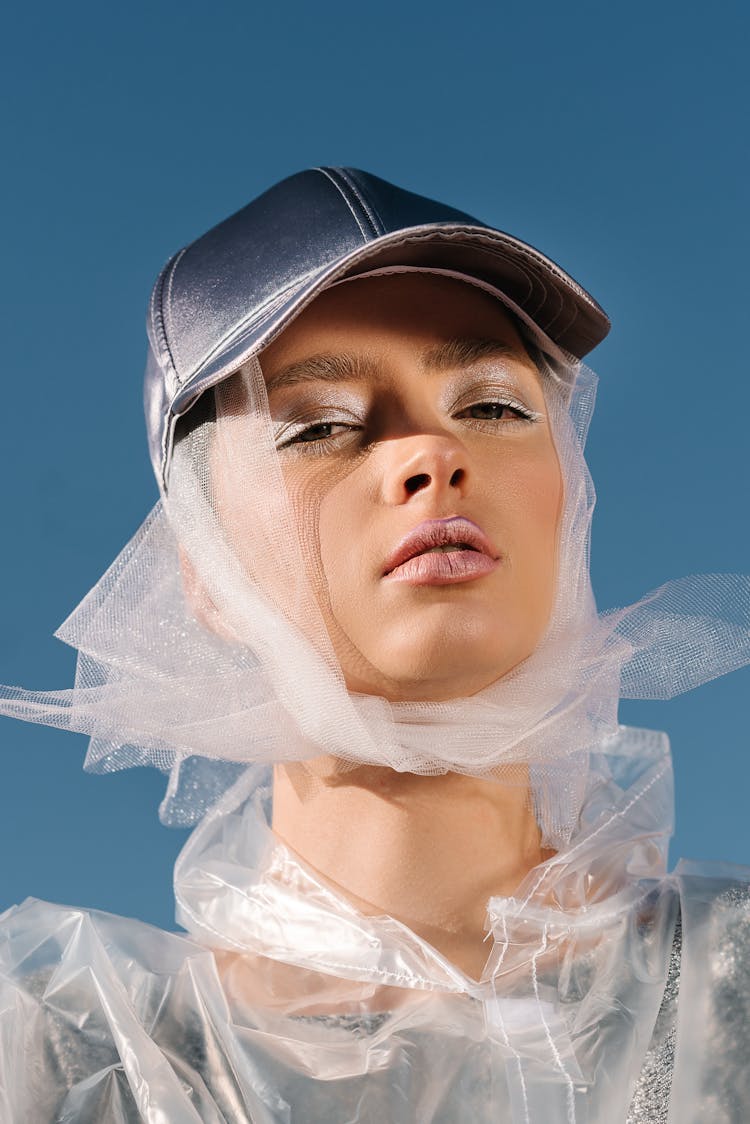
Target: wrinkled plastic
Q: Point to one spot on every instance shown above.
(284, 1003)
(204, 649)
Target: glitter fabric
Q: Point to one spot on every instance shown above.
(650, 1104)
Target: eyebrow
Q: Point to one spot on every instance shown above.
(464, 352)
(342, 367)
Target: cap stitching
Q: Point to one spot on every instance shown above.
(463, 234)
(366, 234)
(168, 312)
(268, 307)
(447, 236)
(484, 286)
(370, 210)
(157, 314)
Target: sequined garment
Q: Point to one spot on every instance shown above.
(650, 1104)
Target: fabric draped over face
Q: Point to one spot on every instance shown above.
(203, 648)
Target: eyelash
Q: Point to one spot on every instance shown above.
(318, 444)
(524, 416)
(523, 413)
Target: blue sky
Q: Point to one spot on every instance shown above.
(612, 137)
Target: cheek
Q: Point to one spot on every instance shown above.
(344, 524)
(541, 500)
(535, 497)
(331, 522)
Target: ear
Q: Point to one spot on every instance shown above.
(199, 600)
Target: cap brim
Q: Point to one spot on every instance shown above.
(555, 302)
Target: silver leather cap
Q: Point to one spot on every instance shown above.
(229, 293)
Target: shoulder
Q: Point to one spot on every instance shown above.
(695, 1068)
(715, 910)
(92, 1006)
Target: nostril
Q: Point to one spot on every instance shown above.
(457, 478)
(416, 483)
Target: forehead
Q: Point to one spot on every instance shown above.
(376, 315)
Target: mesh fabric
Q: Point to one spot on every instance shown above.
(203, 648)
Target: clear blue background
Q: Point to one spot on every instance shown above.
(614, 137)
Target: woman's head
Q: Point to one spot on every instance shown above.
(405, 413)
(390, 496)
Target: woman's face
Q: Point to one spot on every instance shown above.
(412, 432)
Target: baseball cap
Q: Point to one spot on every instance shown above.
(226, 295)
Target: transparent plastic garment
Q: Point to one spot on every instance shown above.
(206, 646)
(286, 1004)
(205, 650)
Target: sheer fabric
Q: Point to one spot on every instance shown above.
(285, 1003)
(203, 649)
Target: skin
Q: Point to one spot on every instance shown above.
(428, 851)
(370, 449)
(401, 439)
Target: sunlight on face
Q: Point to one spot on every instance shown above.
(412, 430)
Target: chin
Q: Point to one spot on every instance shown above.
(446, 670)
(437, 652)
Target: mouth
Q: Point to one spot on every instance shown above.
(442, 552)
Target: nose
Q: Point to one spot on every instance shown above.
(425, 464)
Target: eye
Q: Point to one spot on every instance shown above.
(314, 433)
(493, 411)
(503, 410)
(318, 432)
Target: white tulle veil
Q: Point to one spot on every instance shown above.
(203, 650)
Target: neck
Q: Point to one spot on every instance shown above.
(428, 851)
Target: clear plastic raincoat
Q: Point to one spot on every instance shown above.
(612, 990)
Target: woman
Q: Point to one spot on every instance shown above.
(448, 900)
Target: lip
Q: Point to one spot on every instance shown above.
(411, 563)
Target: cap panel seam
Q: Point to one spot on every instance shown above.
(367, 206)
(173, 351)
(366, 234)
(157, 318)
